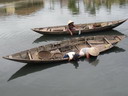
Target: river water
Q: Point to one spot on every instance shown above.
(106, 76)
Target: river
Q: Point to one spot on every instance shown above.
(106, 76)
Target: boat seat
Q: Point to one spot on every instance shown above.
(85, 27)
(107, 40)
(32, 55)
(94, 42)
(91, 26)
(55, 51)
(79, 47)
(29, 55)
(104, 24)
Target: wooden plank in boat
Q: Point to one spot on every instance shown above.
(107, 40)
(29, 55)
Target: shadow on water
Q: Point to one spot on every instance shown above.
(62, 37)
(31, 68)
(115, 49)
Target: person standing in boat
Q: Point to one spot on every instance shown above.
(88, 52)
(71, 27)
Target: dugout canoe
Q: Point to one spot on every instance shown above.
(80, 28)
(54, 52)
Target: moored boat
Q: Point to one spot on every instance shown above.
(80, 28)
(55, 52)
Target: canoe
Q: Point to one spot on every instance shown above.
(80, 28)
(55, 52)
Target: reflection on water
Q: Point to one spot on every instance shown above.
(61, 37)
(74, 6)
(21, 7)
(92, 5)
(25, 7)
(29, 7)
(31, 68)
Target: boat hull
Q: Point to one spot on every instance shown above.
(55, 52)
(81, 28)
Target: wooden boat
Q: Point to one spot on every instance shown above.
(80, 28)
(55, 52)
